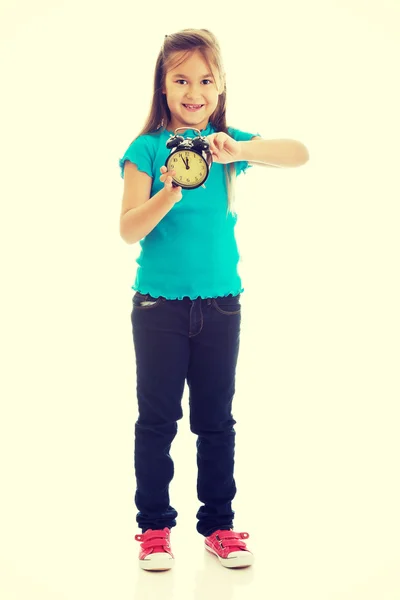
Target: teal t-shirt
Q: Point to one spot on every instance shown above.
(192, 251)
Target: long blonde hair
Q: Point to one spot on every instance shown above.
(159, 116)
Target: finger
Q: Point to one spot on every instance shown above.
(166, 174)
(165, 171)
(168, 181)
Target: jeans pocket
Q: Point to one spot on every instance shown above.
(145, 301)
(227, 305)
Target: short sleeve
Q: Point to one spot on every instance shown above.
(140, 153)
(241, 136)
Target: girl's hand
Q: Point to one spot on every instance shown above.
(174, 192)
(224, 149)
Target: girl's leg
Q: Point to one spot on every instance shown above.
(211, 379)
(162, 354)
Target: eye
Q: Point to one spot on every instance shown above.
(179, 80)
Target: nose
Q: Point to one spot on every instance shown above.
(193, 92)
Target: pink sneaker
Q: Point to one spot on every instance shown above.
(155, 554)
(229, 547)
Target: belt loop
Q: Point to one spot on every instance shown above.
(209, 301)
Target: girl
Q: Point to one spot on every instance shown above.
(186, 309)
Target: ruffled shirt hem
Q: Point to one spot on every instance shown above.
(154, 294)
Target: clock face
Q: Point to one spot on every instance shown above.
(190, 168)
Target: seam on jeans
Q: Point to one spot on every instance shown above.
(147, 304)
(224, 312)
(192, 335)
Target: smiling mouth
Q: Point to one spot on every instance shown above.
(193, 107)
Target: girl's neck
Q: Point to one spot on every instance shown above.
(171, 130)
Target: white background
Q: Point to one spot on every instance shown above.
(317, 401)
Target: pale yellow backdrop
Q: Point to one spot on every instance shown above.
(317, 402)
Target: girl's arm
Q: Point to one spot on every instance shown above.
(273, 153)
(268, 153)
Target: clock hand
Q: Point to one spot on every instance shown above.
(184, 162)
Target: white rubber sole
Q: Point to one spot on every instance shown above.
(159, 561)
(235, 560)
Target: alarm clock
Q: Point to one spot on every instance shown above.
(190, 158)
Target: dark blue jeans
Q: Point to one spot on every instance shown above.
(177, 341)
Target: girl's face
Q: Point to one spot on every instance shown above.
(190, 83)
